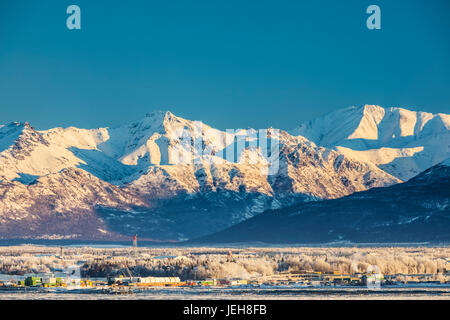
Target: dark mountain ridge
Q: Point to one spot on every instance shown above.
(410, 212)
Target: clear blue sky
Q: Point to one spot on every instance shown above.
(229, 63)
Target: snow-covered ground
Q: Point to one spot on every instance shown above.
(418, 292)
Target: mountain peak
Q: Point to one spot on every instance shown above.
(161, 118)
(372, 108)
(154, 113)
(160, 114)
(13, 130)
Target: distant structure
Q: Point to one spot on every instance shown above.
(135, 245)
(61, 254)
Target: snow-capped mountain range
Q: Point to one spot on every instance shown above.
(399, 141)
(165, 177)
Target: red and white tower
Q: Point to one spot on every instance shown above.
(135, 241)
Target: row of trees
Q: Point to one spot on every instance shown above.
(200, 263)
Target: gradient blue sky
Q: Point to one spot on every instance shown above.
(228, 63)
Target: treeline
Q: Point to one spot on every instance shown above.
(201, 263)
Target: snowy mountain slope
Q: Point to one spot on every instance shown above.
(63, 204)
(411, 212)
(33, 154)
(159, 137)
(323, 173)
(401, 142)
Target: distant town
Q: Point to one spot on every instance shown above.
(129, 270)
